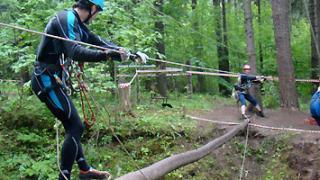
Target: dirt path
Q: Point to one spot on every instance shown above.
(274, 118)
(303, 159)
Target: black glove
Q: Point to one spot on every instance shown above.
(120, 55)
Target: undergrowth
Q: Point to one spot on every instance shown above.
(27, 139)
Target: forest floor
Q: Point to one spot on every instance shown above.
(303, 156)
(26, 128)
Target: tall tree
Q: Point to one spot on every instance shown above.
(258, 3)
(225, 58)
(201, 85)
(288, 91)
(159, 27)
(314, 14)
(314, 45)
(222, 42)
(251, 51)
(317, 27)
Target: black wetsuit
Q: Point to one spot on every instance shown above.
(66, 24)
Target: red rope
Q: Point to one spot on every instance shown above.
(84, 93)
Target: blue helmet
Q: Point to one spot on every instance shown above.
(98, 3)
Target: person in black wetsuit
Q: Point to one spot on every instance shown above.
(245, 82)
(71, 24)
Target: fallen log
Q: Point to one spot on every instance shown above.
(165, 166)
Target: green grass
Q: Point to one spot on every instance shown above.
(27, 138)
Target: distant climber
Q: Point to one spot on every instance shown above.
(245, 82)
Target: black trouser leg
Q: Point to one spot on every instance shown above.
(62, 108)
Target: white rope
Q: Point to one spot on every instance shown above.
(255, 125)
(244, 154)
(270, 78)
(56, 126)
(9, 80)
(105, 49)
(134, 77)
(191, 66)
(106, 115)
(231, 74)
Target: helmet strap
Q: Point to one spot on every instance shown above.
(89, 16)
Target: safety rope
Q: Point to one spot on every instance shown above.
(107, 115)
(92, 120)
(9, 80)
(244, 153)
(255, 125)
(56, 126)
(134, 77)
(191, 66)
(226, 73)
(84, 94)
(106, 49)
(269, 78)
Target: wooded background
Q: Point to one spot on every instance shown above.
(218, 34)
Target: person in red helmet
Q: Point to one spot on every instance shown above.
(245, 82)
(71, 24)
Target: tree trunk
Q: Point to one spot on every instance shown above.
(314, 45)
(251, 48)
(288, 91)
(189, 77)
(260, 44)
(225, 57)
(165, 166)
(125, 102)
(222, 42)
(161, 77)
(201, 85)
(317, 27)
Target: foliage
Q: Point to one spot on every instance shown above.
(131, 24)
(27, 141)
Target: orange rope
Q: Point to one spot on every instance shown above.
(84, 92)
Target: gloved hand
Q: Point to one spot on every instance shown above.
(261, 78)
(264, 78)
(140, 57)
(122, 53)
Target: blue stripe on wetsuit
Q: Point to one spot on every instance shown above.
(47, 83)
(71, 19)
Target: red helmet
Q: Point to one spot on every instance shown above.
(246, 67)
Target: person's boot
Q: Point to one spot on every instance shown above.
(94, 174)
(260, 113)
